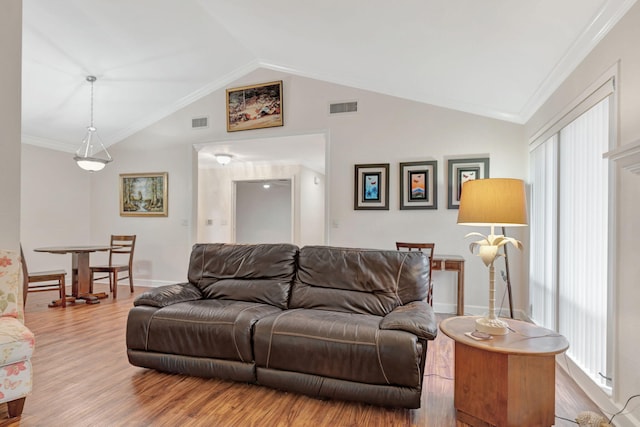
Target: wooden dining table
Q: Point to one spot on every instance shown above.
(80, 269)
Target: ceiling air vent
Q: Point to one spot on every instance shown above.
(199, 122)
(343, 107)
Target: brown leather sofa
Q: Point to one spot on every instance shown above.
(327, 322)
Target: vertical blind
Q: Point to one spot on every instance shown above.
(542, 226)
(570, 237)
(583, 238)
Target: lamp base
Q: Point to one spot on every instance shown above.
(492, 326)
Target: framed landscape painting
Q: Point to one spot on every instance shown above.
(144, 194)
(254, 107)
(371, 187)
(418, 185)
(461, 171)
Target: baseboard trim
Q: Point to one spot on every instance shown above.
(600, 397)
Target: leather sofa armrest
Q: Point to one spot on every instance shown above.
(416, 317)
(168, 295)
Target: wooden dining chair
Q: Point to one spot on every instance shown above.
(123, 248)
(43, 281)
(422, 247)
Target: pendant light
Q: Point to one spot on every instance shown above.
(92, 154)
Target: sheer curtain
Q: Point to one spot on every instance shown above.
(569, 225)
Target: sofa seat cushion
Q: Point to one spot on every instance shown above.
(346, 346)
(16, 341)
(206, 328)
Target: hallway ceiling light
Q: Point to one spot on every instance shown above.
(223, 159)
(92, 154)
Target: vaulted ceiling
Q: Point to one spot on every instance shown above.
(497, 58)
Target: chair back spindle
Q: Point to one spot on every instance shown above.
(422, 247)
(43, 281)
(120, 260)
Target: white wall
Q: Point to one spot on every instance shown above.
(163, 244)
(10, 116)
(55, 196)
(311, 214)
(620, 45)
(386, 129)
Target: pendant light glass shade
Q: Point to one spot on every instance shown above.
(92, 154)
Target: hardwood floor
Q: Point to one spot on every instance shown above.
(82, 378)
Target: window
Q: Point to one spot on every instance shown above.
(569, 225)
(542, 226)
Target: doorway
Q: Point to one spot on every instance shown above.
(263, 211)
(298, 158)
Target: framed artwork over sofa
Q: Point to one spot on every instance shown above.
(255, 107)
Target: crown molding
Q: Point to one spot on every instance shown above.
(184, 101)
(465, 107)
(626, 156)
(51, 144)
(608, 16)
(603, 22)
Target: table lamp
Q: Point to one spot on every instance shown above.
(492, 202)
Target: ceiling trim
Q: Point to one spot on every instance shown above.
(51, 144)
(184, 101)
(601, 24)
(151, 118)
(464, 107)
(604, 21)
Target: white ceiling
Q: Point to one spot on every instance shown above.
(498, 58)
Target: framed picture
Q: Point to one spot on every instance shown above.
(254, 107)
(461, 171)
(371, 187)
(418, 185)
(144, 194)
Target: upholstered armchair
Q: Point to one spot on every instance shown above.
(16, 340)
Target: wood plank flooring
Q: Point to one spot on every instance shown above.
(82, 378)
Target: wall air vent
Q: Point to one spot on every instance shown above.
(199, 122)
(343, 107)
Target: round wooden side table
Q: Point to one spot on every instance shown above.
(507, 380)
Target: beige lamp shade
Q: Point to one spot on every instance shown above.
(493, 201)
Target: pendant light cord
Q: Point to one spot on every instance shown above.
(91, 104)
(91, 79)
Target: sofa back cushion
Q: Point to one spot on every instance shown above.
(256, 273)
(359, 280)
